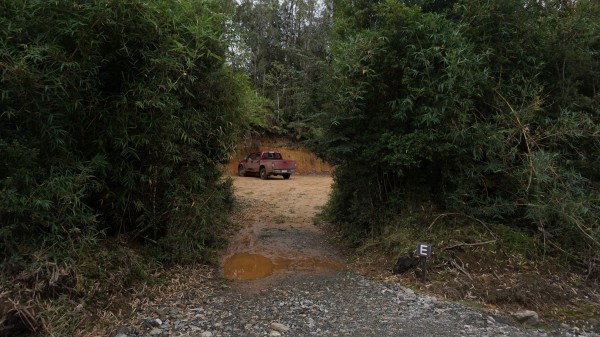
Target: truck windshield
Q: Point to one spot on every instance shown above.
(271, 155)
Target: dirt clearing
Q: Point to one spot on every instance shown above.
(277, 233)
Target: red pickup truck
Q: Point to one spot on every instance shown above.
(265, 164)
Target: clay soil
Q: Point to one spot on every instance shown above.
(276, 230)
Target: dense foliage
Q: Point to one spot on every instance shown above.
(114, 119)
(485, 110)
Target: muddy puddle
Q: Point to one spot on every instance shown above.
(246, 266)
(277, 232)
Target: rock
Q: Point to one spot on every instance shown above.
(274, 333)
(279, 327)
(408, 295)
(158, 322)
(206, 334)
(405, 263)
(429, 299)
(148, 324)
(125, 331)
(156, 332)
(527, 317)
(408, 291)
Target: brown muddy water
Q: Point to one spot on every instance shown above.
(246, 266)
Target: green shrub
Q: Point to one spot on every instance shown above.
(114, 120)
(474, 110)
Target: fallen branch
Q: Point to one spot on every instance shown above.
(463, 244)
(453, 262)
(18, 320)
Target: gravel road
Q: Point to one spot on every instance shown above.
(309, 291)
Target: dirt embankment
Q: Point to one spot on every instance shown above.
(306, 161)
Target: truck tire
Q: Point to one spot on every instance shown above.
(286, 176)
(241, 171)
(263, 173)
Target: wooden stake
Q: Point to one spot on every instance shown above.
(423, 268)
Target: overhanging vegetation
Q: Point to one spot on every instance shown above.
(488, 110)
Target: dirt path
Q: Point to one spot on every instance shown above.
(277, 233)
(285, 279)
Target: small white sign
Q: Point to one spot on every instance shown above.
(424, 249)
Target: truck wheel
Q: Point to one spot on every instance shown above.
(241, 171)
(263, 173)
(286, 176)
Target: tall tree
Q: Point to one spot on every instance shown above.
(286, 43)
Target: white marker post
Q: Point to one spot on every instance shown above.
(424, 251)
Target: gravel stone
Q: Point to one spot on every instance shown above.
(527, 317)
(156, 332)
(279, 327)
(334, 303)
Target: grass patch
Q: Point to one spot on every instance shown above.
(84, 286)
(68, 292)
(281, 219)
(493, 265)
(585, 313)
